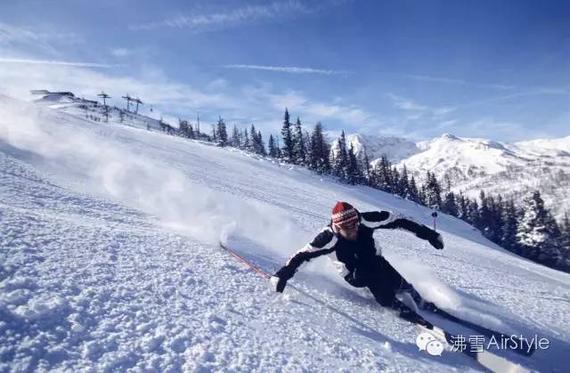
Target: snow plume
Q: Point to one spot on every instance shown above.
(426, 283)
(97, 165)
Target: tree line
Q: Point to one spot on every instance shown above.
(527, 229)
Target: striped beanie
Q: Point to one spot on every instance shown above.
(344, 214)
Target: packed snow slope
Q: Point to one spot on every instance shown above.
(109, 260)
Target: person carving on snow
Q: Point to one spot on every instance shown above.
(349, 236)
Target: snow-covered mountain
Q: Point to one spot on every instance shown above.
(109, 261)
(395, 148)
(473, 164)
(515, 169)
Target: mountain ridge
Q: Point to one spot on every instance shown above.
(474, 164)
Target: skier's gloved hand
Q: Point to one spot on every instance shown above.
(280, 278)
(436, 241)
(278, 284)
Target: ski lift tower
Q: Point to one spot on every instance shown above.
(137, 101)
(105, 96)
(129, 99)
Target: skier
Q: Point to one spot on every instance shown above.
(349, 235)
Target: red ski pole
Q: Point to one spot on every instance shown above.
(258, 270)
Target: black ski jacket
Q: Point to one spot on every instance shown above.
(360, 253)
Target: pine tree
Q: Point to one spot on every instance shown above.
(395, 180)
(235, 140)
(365, 168)
(183, 128)
(273, 152)
(336, 160)
(404, 184)
(497, 206)
(485, 216)
(509, 218)
(340, 159)
(246, 141)
(287, 149)
(260, 144)
(352, 171)
(319, 151)
(222, 135)
(382, 175)
(462, 209)
(414, 193)
(473, 216)
(307, 142)
(565, 243)
(256, 141)
(432, 192)
(450, 204)
(538, 234)
(299, 150)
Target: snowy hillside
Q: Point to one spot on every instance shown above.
(110, 261)
(92, 110)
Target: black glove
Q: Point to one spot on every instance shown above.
(280, 278)
(278, 284)
(436, 241)
(434, 238)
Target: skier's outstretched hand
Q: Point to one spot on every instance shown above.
(279, 279)
(436, 241)
(277, 283)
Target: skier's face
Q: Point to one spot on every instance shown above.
(348, 231)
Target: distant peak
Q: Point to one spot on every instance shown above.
(449, 136)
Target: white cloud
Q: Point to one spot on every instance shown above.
(417, 110)
(288, 100)
(53, 62)
(24, 38)
(229, 18)
(406, 104)
(313, 111)
(539, 91)
(217, 84)
(121, 52)
(286, 69)
(432, 79)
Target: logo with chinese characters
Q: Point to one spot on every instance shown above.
(427, 342)
(479, 343)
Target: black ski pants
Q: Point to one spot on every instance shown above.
(381, 278)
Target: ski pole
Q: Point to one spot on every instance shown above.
(262, 273)
(434, 215)
(258, 270)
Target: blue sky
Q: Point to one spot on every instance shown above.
(417, 69)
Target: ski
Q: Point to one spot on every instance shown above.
(485, 358)
(498, 336)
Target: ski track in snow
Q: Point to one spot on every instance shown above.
(109, 261)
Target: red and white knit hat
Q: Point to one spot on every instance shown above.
(344, 214)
